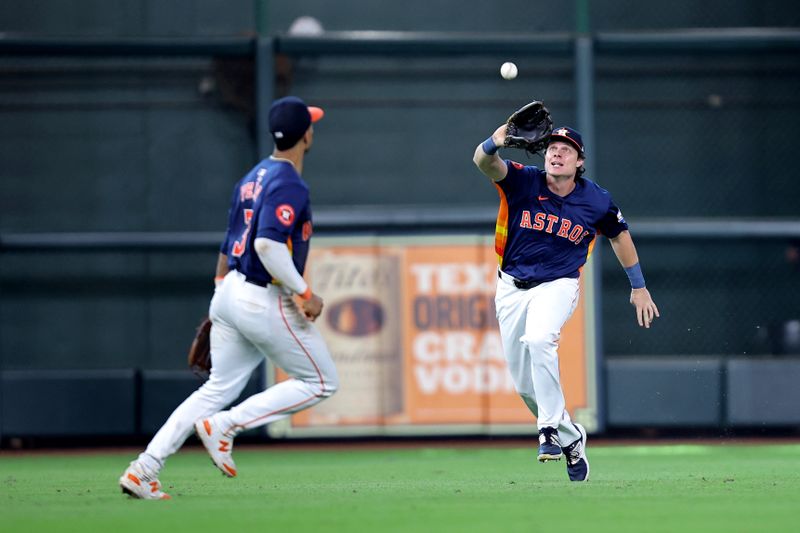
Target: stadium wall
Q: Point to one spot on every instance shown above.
(152, 143)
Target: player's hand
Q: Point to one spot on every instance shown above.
(312, 307)
(499, 135)
(646, 310)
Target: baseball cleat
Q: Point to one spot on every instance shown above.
(140, 482)
(219, 445)
(549, 445)
(577, 462)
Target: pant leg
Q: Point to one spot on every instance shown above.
(549, 307)
(271, 321)
(511, 304)
(233, 360)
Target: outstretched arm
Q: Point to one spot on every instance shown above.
(486, 158)
(646, 310)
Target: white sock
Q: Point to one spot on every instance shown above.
(225, 424)
(150, 462)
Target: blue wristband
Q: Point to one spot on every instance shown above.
(489, 148)
(635, 276)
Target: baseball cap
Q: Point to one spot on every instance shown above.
(568, 135)
(289, 118)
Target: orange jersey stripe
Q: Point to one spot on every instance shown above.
(588, 253)
(501, 228)
(591, 247)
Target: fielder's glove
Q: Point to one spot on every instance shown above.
(200, 350)
(529, 128)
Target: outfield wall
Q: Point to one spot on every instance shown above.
(125, 126)
(410, 323)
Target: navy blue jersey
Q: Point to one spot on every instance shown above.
(271, 201)
(541, 236)
(241, 209)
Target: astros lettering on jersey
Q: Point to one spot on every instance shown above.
(541, 236)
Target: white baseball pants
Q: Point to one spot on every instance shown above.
(249, 323)
(530, 328)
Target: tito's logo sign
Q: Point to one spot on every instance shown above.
(356, 317)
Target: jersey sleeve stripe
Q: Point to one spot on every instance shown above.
(501, 228)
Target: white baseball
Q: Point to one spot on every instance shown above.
(508, 70)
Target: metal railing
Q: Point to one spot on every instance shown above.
(584, 46)
(407, 43)
(354, 221)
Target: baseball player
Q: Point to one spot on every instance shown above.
(254, 311)
(546, 228)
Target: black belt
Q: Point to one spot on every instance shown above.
(256, 281)
(520, 283)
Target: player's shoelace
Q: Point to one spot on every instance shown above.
(548, 436)
(573, 452)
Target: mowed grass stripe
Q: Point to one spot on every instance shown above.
(632, 488)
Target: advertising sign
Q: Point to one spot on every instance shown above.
(412, 328)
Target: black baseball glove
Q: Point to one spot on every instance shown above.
(199, 357)
(529, 127)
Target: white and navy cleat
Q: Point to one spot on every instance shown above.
(577, 462)
(549, 445)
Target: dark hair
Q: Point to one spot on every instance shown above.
(582, 168)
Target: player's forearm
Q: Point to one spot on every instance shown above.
(628, 258)
(486, 158)
(482, 159)
(624, 249)
(491, 165)
(277, 259)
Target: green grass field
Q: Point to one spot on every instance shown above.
(633, 488)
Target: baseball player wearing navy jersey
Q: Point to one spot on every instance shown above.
(546, 228)
(255, 311)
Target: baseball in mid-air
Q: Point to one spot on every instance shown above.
(508, 70)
